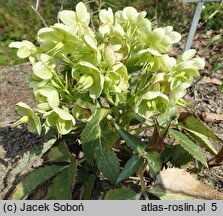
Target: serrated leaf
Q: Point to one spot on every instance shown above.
(95, 135)
(189, 145)
(59, 153)
(132, 141)
(177, 155)
(154, 162)
(88, 180)
(108, 164)
(132, 165)
(34, 179)
(167, 195)
(194, 124)
(123, 193)
(27, 160)
(203, 141)
(61, 185)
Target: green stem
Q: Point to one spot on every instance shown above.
(80, 161)
(142, 180)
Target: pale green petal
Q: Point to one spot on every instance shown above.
(88, 64)
(16, 44)
(106, 16)
(168, 29)
(175, 37)
(148, 50)
(198, 63)
(97, 87)
(64, 114)
(23, 52)
(82, 14)
(51, 95)
(68, 17)
(189, 54)
(91, 42)
(104, 29)
(129, 13)
(34, 124)
(152, 94)
(42, 71)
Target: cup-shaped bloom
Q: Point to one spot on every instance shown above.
(151, 103)
(112, 55)
(25, 48)
(129, 13)
(47, 94)
(58, 39)
(44, 68)
(89, 78)
(61, 119)
(29, 117)
(116, 80)
(107, 19)
(78, 19)
(161, 39)
(186, 68)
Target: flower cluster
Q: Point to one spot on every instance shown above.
(124, 61)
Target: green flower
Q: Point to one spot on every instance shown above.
(161, 39)
(49, 95)
(61, 119)
(25, 48)
(107, 19)
(88, 78)
(29, 117)
(116, 80)
(152, 103)
(44, 68)
(186, 68)
(78, 20)
(58, 39)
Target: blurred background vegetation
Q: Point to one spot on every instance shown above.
(18, 21)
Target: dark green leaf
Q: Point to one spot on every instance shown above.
(62, 184)
(132, 165)
(123, 193)
(189, 145)
(177, 155)
(34, 179)
(132, 141)
(97, 134)
(59, 153)
(132, 69)
(194, 124)
(203, 141)
(108, 164)
(88, 181)
(153, 159)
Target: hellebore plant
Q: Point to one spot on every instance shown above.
(100, 88)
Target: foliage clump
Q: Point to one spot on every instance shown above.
(95, 82)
